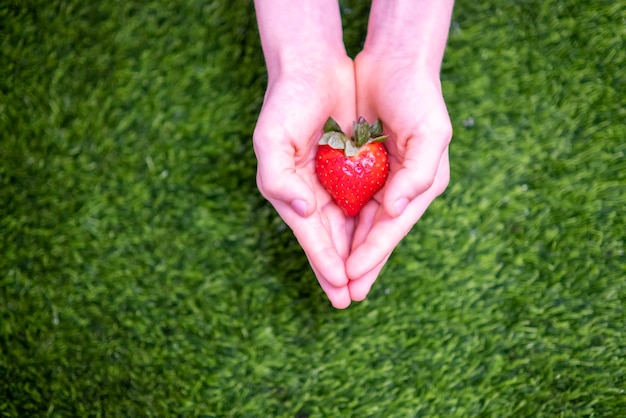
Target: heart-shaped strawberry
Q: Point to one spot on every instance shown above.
(352, 169)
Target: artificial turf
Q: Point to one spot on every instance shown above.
(142, 274)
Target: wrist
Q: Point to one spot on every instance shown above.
(302, 58)
(412, 32)
(295, 34)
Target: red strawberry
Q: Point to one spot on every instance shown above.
(352, 169)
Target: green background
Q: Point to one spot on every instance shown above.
(142, 274)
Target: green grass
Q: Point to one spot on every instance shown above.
(142, 274)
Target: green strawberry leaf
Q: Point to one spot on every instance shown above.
(381, 138)
(351, 149)
(362, 132)
(332, 126)
(376, 128)
(334, 140)
(324, 139)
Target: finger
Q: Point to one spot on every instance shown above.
(384, 235)
(341, 230)
(314, 237)
(277, 179)
(424, 151)
(360, 287)
(339, 296)
(366, 219)
(386, 232)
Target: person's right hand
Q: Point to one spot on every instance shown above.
(299, 99)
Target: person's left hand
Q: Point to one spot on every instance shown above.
(408, 100)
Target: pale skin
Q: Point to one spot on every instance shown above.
(310, 77)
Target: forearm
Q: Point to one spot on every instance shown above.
(300, 31)
(410, 29)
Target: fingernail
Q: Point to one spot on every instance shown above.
(400, 205)
(300, 206)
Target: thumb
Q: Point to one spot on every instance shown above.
(418, 168)
(277, 178)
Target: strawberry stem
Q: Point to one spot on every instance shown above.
(362, 133)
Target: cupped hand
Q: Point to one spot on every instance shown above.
(408, 99)
(298, 101)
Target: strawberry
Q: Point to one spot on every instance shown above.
(352, 169)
